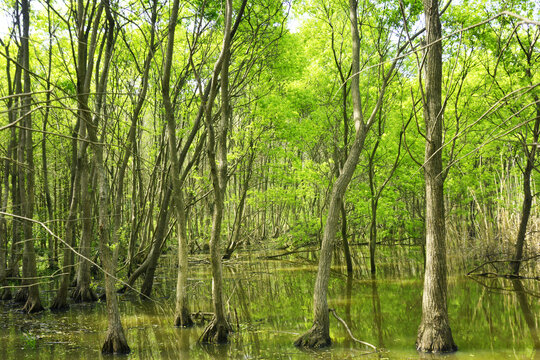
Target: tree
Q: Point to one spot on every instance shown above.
(319, 334)
(434, 333)
(27, 176)
(218, 329)
(182, 317)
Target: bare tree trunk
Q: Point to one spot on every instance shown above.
(218, 329)
(115, 341)
(434, 333)
(182, 315)
(157, 245)
(9, 169)
(45, 168)
(22, 294)
(345, 240)
(83, 292)
(374, 204)
(60, 301)
(5, 294)
(33, 303)
(235, 237)
(527, 195)
(319, 334)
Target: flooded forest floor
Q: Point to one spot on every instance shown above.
(269, 306)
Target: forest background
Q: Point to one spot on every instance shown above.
(131, 129)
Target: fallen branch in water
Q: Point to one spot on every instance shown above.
(333, 311)
(286, 253)
(500, 261)
(202, 316)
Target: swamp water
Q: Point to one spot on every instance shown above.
(269, 302)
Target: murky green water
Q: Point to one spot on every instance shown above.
(270, 305)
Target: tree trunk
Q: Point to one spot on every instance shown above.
(60, 301)
(5, 294)
(115, 341)
(218, 330)
(235, 237)
(434, 333)
(33, 303)
(345, 240)
(45, 168)
(182, 315)
(83, 292)
(319, 334)
(527, 195)
(9, 169)
(157, 245)
(22, 294)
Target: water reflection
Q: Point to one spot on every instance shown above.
(269, 305)
(526, 310)
(377, 315)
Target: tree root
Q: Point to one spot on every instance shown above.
(5, 294)
(83, 294)
(115, 343)
(183, 319)
(21, 296)
(315, 338)
(217, 332)
(435, 337)
(59, 305)
(32, 306)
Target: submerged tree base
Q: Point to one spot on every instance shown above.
(5, 294)
(32, 306)
(183, 319)
(217, 332)
(315, 338)
(21, 296)
(59, 305)
(83, 294)
(115, 343)
(435, 338)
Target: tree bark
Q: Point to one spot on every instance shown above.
(157, 245)
(83, 292)
(434, 333)
(319, 334)
(60, 301)
(527, 194)
(182, 314)
(235, 237)
(33, 302)
(218, 330)
(9, 169)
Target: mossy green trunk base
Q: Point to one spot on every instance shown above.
(217, 332)
(115, 343)
(435, 338)
(315, 338)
